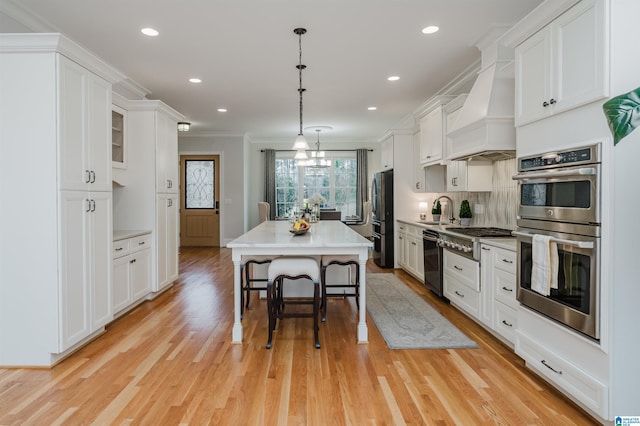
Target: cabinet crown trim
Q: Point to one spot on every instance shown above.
(58, 43)
(537, 19)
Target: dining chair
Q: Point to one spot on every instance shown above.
(292, 268)
(365, 227)
(248, 279)
(264, 211)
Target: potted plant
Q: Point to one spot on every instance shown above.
(436, 210)
(465, 213)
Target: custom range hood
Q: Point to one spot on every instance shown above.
(485, 128)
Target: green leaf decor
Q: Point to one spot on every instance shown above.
(623, 114)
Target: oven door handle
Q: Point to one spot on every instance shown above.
(579, 244)
(584, 171)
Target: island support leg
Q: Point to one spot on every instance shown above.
(237, 300)
(363, 332)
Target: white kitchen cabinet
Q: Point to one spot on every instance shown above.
(167, 230)
(386, 153)
(471, 176)
(418, 170)
(461, 282)
(85, 291)
(166, 153)
(432, 134)
(131, 271)
(410, 249)
(499, 304)
(563, 65)
(401, 237)
(85, 119)
(55, 180)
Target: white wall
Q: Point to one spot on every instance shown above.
(232, 178)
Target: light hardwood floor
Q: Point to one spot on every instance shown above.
(171, 362)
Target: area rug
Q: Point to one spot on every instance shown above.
(406, 320)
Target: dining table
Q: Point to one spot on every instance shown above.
(273, 238)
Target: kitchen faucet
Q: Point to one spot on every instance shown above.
(450, 202)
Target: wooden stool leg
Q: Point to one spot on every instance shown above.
(323, 305)
(247, 284)
(316, 305)
(271, 312)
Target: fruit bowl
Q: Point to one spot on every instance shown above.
(300, 231)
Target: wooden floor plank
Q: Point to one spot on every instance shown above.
(170, 361)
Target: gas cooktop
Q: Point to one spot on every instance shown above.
(482, 232)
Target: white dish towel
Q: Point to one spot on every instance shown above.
(544, 271)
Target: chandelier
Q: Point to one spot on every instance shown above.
(317, 159)
(300, 144)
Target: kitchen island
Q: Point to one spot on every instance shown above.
(272, 238)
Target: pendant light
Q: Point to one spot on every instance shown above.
(300, 143)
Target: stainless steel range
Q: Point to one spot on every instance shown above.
(466, 241)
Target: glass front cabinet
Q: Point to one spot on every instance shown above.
(118, 137)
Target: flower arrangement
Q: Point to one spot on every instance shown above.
(317, 199)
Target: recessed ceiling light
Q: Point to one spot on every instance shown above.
(222, 110)
(149, 32)
(372, 108)
(430, 29)
(195, 80)
(393, 78)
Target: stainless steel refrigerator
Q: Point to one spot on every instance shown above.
(382, 206)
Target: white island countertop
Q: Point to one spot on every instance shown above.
(275, 234)
(272, 238)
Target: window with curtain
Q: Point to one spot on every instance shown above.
(336, 184)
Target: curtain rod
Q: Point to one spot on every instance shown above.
(334, 150)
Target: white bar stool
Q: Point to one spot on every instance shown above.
(292, 268)
(341, 260)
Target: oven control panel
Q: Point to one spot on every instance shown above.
(585, 155)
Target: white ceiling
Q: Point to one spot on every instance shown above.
(245, 52)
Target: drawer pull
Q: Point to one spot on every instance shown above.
(119, 249)
(507, 261)
(507, 289)
(485, 248)
(510, 325)
(544, 362)
(141, 243)
(413, 243)
(459, 294)
(457, 267)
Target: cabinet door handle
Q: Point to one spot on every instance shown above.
(506, 288)
(507, 261)
(485, 248)
(413, 243)
(507, 324)
(459, 294)
(544, 362)
(169, 202)
(93, 176)
(132, 261)
(119, 249)
(141, 243)
(552, 101)
(545, 104)
(88, 206)
(88, 176)
(457, 267)
(93, 205)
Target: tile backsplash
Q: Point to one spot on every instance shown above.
(500, 205)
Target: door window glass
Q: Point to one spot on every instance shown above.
(199, 184)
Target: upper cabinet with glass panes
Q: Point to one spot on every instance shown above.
(118, 137)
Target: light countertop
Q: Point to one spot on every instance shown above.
(275, 234)
(120, 234)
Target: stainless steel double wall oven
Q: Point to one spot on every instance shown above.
(559, 196)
